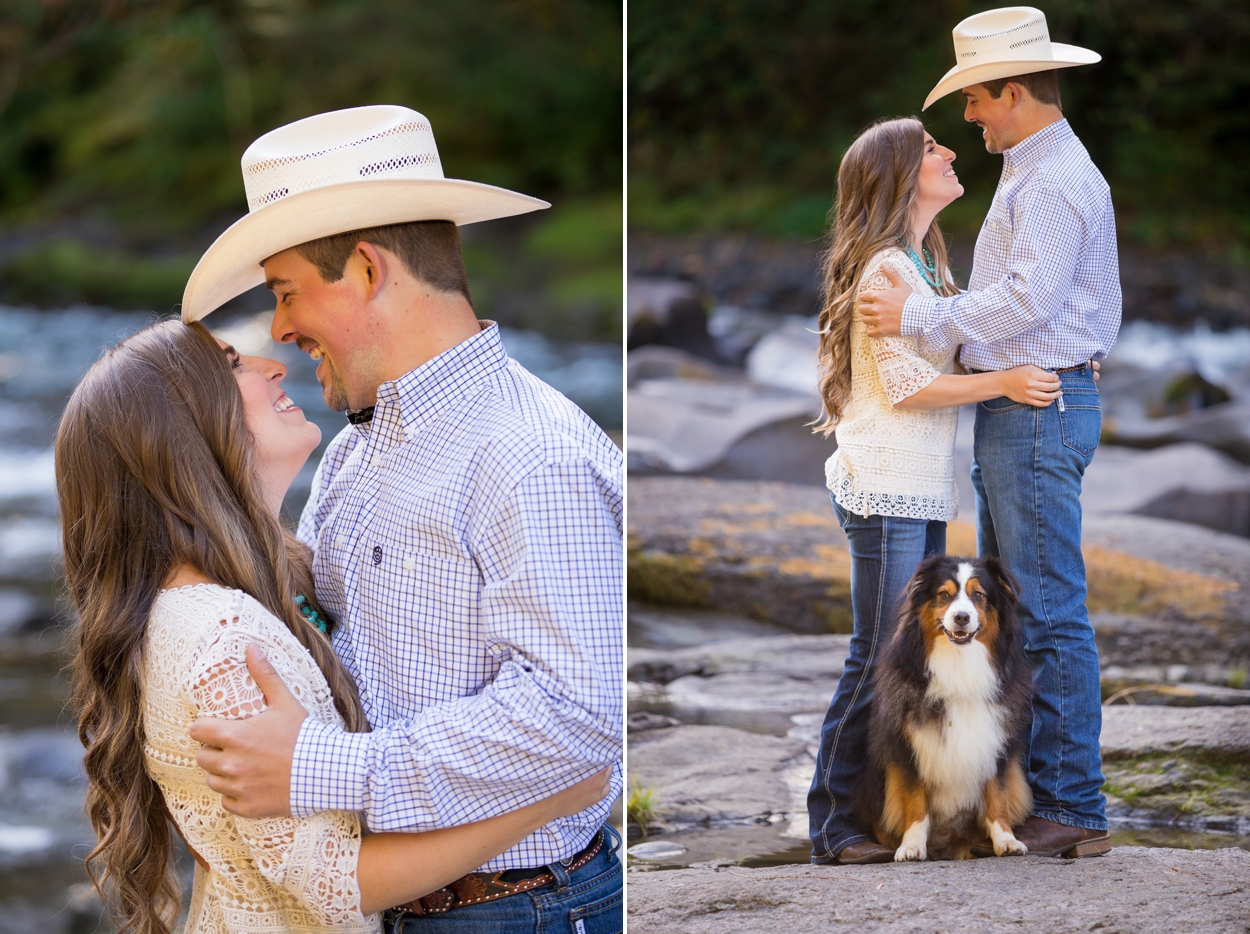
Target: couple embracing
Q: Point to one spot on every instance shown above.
(409, 714)
(902, 348)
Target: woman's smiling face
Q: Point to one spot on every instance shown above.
(937, 185)
(284, 437)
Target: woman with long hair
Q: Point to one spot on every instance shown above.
(172, 460)
(893, 404)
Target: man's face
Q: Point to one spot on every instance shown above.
(992, 114)
(327, 321)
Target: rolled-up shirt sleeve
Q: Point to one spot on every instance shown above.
(550, 556)
(1046, 241)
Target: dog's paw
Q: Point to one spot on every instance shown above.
(910, 851)
(1010, 846)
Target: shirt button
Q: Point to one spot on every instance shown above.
(377, 554)
(410, 563)
(376, 463)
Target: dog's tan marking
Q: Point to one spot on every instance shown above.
(931, 613)
(905, 817)
(1007, 803)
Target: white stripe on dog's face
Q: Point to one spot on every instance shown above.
(961, 619)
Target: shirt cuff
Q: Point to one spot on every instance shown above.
(329, 770)
(915, 312)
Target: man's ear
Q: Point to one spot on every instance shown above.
(372, 266)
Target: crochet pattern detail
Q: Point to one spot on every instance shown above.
(891, 461)
(280, 874)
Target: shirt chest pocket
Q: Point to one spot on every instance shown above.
(421, 626)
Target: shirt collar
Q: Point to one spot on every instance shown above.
(422, 393)
(1030, 149)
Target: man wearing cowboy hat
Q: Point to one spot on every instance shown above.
(1045, 289)
(466, 526)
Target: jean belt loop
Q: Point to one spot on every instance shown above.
(561, 872)
(613, 840)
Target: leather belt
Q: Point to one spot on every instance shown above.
(478, 887)
(1058, 369)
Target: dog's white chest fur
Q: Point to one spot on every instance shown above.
(957, 755)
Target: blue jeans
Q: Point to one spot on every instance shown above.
(884, 553)
(584, 902)
(1027, 470)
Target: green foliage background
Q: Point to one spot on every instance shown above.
(122, 123)
(739, 110)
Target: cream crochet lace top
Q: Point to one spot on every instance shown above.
(280, 874)
(894, 462)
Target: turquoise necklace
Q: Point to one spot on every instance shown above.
(926, 267)
(306, 610)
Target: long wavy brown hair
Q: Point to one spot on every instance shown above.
(876, 197)
(155, 468)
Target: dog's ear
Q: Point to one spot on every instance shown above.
(910, 652)
(1008, 648)
(1003, 578)
(909, 648)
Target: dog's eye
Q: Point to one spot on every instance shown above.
(943, 597)
(978, 597)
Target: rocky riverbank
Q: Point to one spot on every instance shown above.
(730, 676)
(782, 277)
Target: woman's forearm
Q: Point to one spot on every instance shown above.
(951, 390)
(395, 868)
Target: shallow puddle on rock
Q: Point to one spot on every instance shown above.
(751, 845)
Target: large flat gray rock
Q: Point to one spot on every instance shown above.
(1134, 890)
(713, 774)
(802, 658)
(1201, 732)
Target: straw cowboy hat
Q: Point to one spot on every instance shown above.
(1004, 43)
(329, 174)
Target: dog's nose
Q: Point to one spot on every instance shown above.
(961, 620)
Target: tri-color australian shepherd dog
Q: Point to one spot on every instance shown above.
(950, 717)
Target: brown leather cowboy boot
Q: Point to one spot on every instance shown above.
(1047, 838)
(865, 851)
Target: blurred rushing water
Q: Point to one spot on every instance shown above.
(43, 833)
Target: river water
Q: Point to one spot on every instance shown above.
(43, 833)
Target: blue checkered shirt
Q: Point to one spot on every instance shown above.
(1045, 286)
(469, 541)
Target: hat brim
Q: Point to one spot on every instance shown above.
(1065, 56)
(231, 265)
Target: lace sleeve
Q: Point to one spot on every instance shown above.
(902, 370)
(313, 859)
